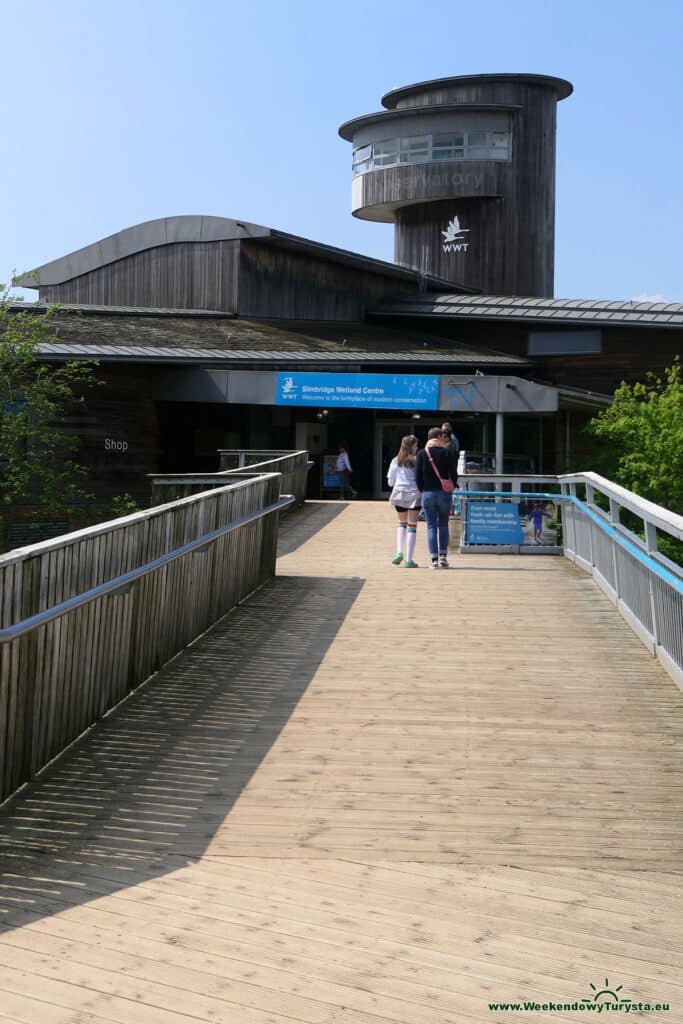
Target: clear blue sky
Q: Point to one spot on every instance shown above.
(117, 112)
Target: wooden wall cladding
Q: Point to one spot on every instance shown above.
(284, 284)
(492, 253)
(627, 354)
(118, 432)
(184, 275)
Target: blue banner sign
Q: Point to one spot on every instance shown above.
(358, 390)
(491, 522)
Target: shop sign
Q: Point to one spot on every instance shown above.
(493, 523)
(358, 390)
(112, 445)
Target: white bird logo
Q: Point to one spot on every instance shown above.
(453, 231)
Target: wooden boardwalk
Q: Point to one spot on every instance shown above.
(369, 795)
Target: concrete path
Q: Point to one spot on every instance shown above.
(369, 795)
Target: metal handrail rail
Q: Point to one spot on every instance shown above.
(638, 553)
(510, 494)
(120, 523)
(663, 519)
(123, 582)
(596, 517)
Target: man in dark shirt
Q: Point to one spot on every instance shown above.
(448, 429)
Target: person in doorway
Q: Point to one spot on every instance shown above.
(432, 465)
(343, 468)
(406, 499)
(452, 439)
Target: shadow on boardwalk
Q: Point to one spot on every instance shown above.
(145, 790)
(302, 525)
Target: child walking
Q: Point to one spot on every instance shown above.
(536, 518)
(405, 497)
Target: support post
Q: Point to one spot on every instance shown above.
(499, 443)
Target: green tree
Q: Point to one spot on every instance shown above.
(38, 467)
(641, 438)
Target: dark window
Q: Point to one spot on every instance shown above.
(564, 343)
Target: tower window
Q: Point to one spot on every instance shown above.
(414, 149)
(362, 159)
(476, 144)
(448, 146)
(385, 153)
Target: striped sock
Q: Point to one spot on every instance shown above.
(400, 538)
(410, 542)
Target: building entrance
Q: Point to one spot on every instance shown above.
(388, 434)
(470, 432)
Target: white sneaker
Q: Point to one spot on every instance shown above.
(435, 564)
(443, 562)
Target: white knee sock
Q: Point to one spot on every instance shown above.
(400, 538)
(410, 542)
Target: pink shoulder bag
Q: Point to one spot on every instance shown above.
(447, 484)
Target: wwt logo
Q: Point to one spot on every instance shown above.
(454, 237)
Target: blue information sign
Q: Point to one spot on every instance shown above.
(491, 522)
(358, 390)
(330, 478)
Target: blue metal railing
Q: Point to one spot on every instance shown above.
(645, 586)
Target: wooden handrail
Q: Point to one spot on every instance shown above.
(129, 595)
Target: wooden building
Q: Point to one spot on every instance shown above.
(205, 327)
(179, 385)
(250, 303)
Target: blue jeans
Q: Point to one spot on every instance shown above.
(437, 506)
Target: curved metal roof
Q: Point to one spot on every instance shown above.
(349, 128)
(148, 235)
(561, 86)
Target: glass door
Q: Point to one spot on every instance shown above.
(388, 434)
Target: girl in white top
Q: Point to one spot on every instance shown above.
(406, 499)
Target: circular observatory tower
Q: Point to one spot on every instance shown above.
(465, 169)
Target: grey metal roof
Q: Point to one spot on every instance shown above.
(173, 354)
(569, 311)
